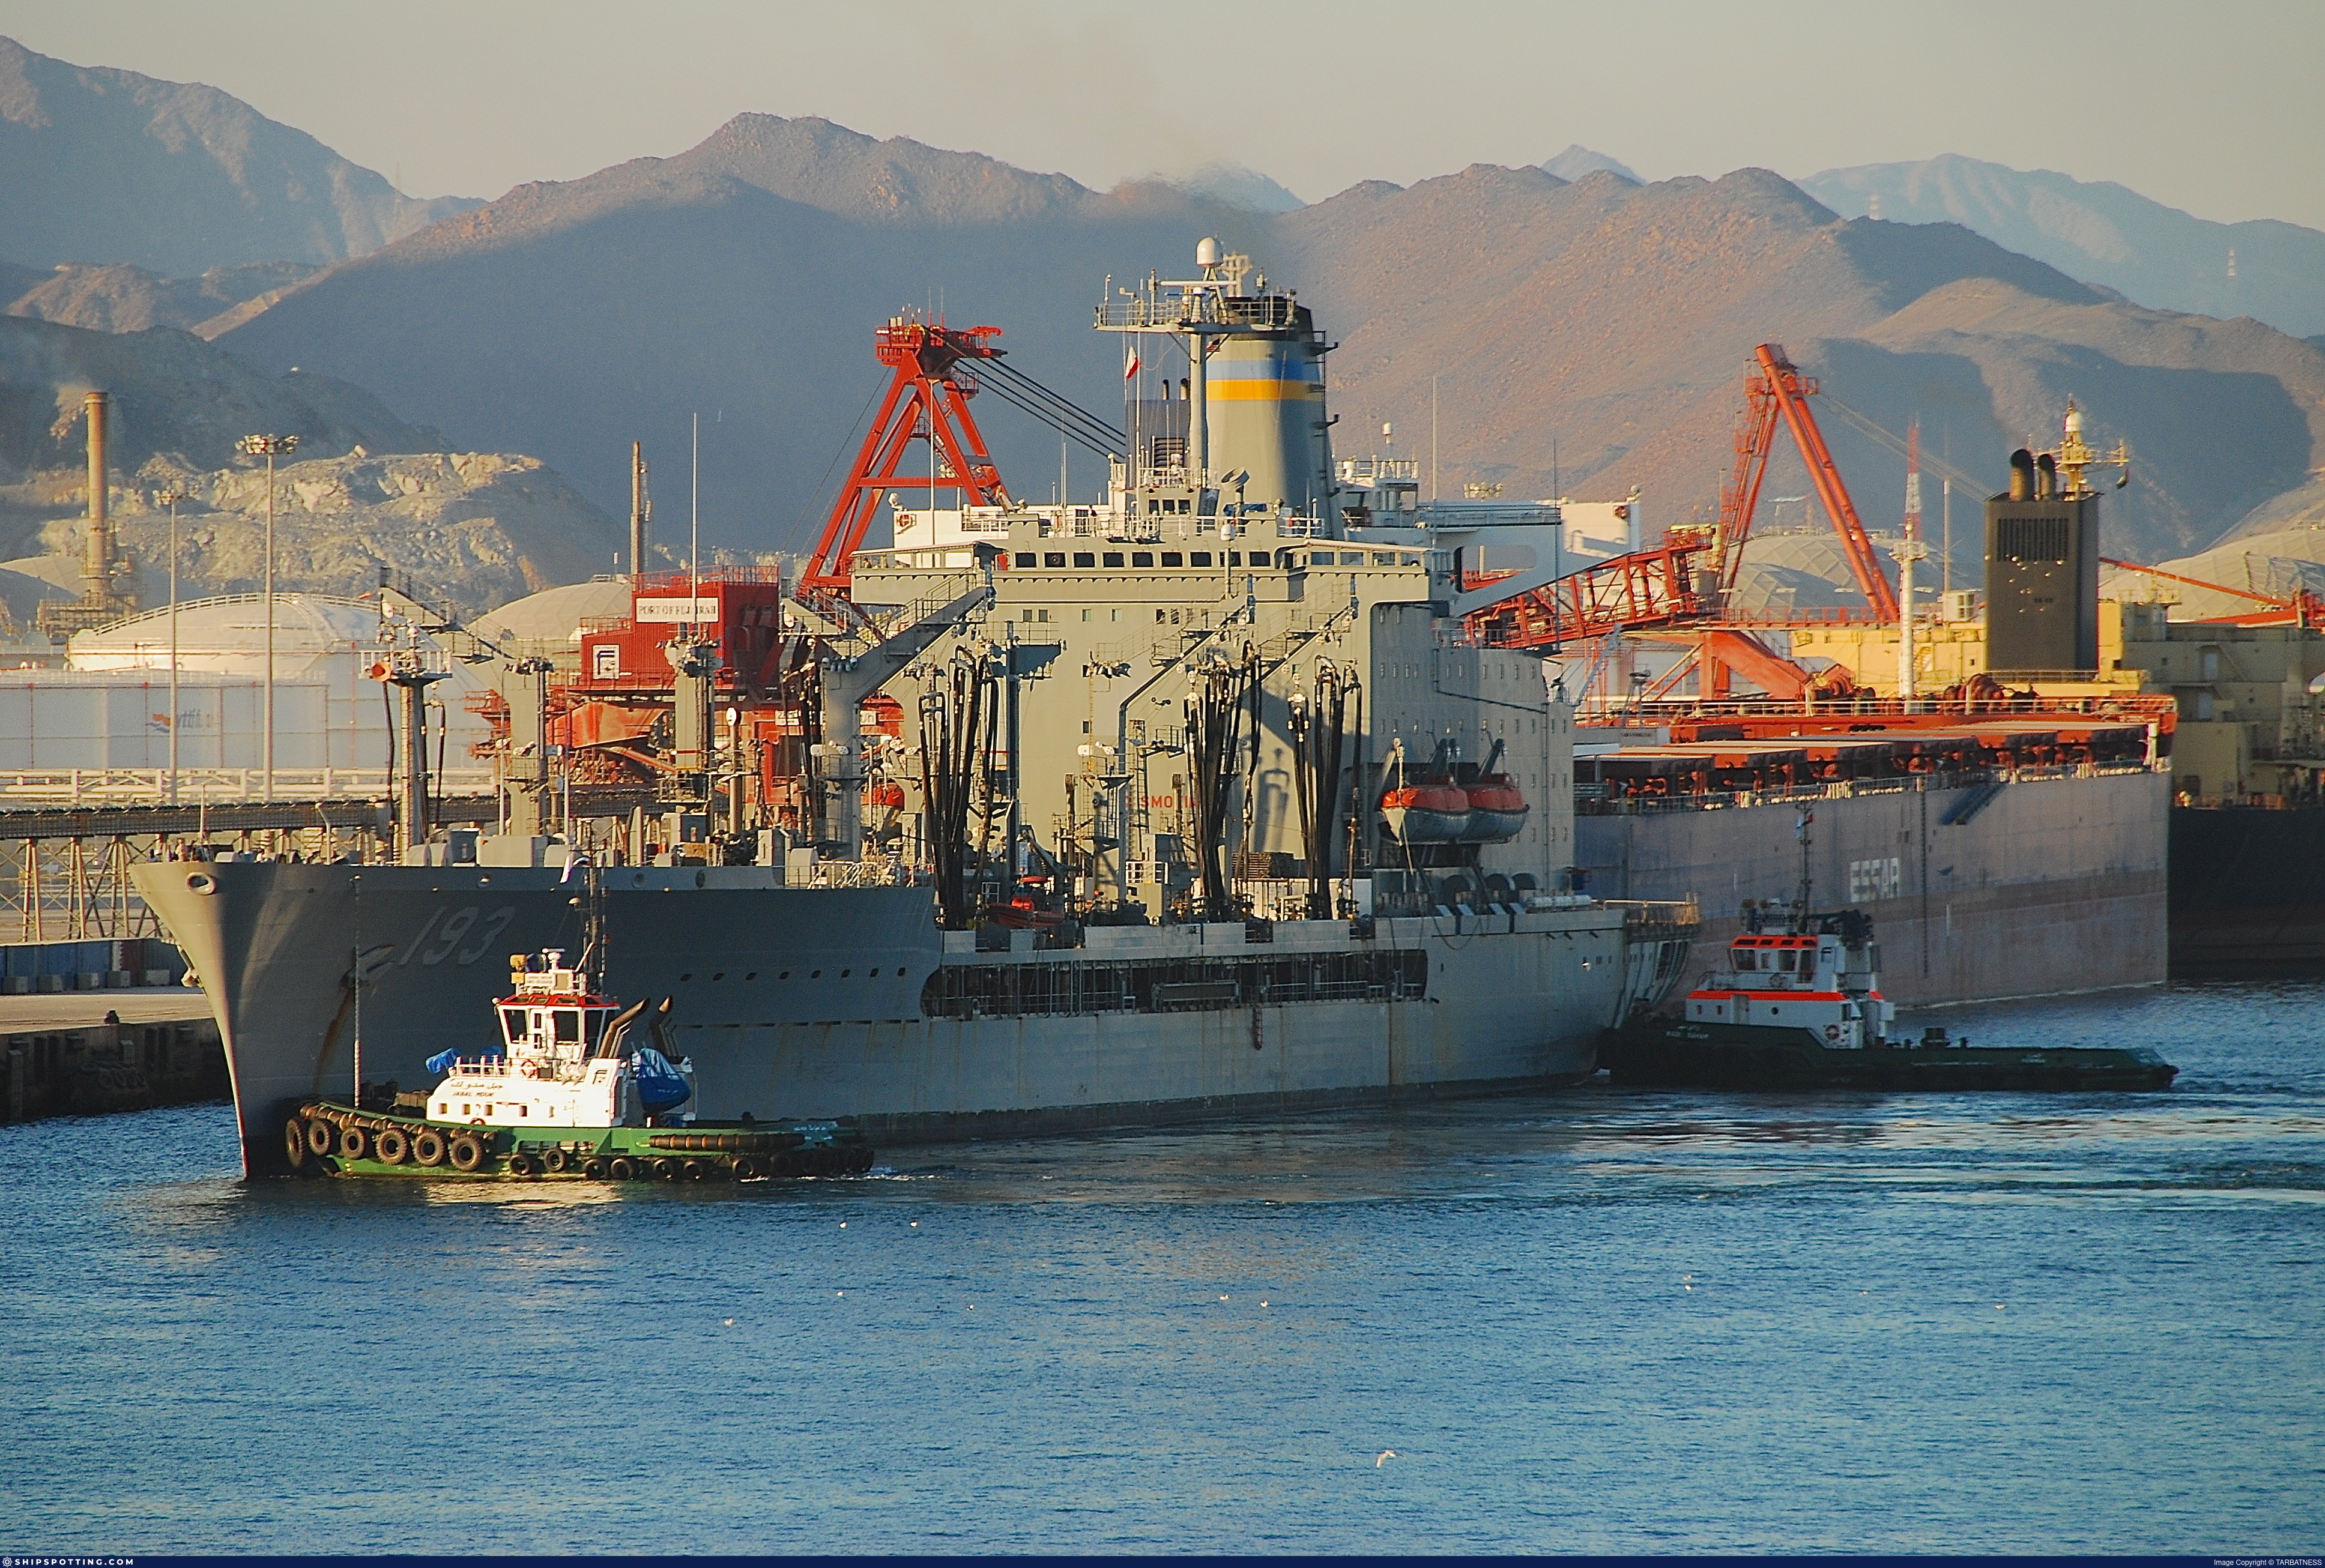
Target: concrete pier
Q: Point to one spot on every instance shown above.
(63, 1057)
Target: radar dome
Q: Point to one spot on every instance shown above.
(1207, 252)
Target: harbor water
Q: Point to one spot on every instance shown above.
(1589, 1321)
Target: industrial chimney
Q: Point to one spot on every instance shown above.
(97, 560)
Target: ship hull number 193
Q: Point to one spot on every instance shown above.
(459, 937)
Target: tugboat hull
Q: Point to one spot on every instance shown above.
(1747, 1057)
(324, 1137)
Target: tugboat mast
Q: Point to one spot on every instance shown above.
(1800, 903)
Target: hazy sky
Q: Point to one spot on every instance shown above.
(2213, 106)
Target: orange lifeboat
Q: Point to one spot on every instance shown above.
(1427, 813)
(1498, 810)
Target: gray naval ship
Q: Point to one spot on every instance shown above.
(1171, 816)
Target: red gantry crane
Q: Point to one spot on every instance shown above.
(1682, 587)
(928, 400)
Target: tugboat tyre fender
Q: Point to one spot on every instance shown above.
(427, 1146)
(294, 1141)
(521, 1165)
(667, 1169)
(354, 1142)
(391, 1147)
(624, 1169)
(594, 1169)
(746, 1168)
(556, 1162)
(696, 1170)
(323, 1138)
(468, 1152)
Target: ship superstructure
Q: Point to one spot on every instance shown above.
(1024, 816)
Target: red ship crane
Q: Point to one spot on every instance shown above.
(1667, 586)
(2302, 608)
(928, 400)
(1777, 387)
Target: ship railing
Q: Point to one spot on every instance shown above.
(2117, 703)
(22, 788)
(1647, 919)
(867, 873)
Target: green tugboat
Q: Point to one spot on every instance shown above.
(571, 1092)
(1802, 1009)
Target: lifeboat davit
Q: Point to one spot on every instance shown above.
(1427, 813)
(1498, 810)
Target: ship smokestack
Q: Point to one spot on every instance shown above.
(96, 562)
(2022, 474)
(2046, 469)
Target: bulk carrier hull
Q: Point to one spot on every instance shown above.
(2247, 891)
(831, 1002)
(2049, 885)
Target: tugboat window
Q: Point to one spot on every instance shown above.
(513, 1022)
(568, 1024)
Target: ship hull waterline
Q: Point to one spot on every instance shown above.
(807, 1002)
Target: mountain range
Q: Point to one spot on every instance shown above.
(105, 165)
(2102, 233)
(1565, 327)
(1589, 335)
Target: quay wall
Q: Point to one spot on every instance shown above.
(98, 1069)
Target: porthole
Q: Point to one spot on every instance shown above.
(720, 976)
(683, 978)
(202, 882)
(846, 972)
(753, 975)
(815, 975)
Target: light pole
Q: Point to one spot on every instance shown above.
(170, 497)
(270, 447)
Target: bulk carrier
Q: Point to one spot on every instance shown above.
(1034, 817)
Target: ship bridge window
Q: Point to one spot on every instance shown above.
(568, 1024)
(1114, 558)
(1141, 557)
(1787, 961)
(1746, 959)
(1199, 559)
(1085, 558)
(1027, 558)
(1174, 558)
(512, 1024)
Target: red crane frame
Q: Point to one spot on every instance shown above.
(1662, 585)
(928, 398)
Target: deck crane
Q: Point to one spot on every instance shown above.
(2301, 608)
(1687, 578)
(928, 400)
(1683, 588)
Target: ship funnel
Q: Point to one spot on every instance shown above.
(2046, 472)
(2022, 474)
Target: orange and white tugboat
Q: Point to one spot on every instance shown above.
(576, 1085)
(1801, 1008)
